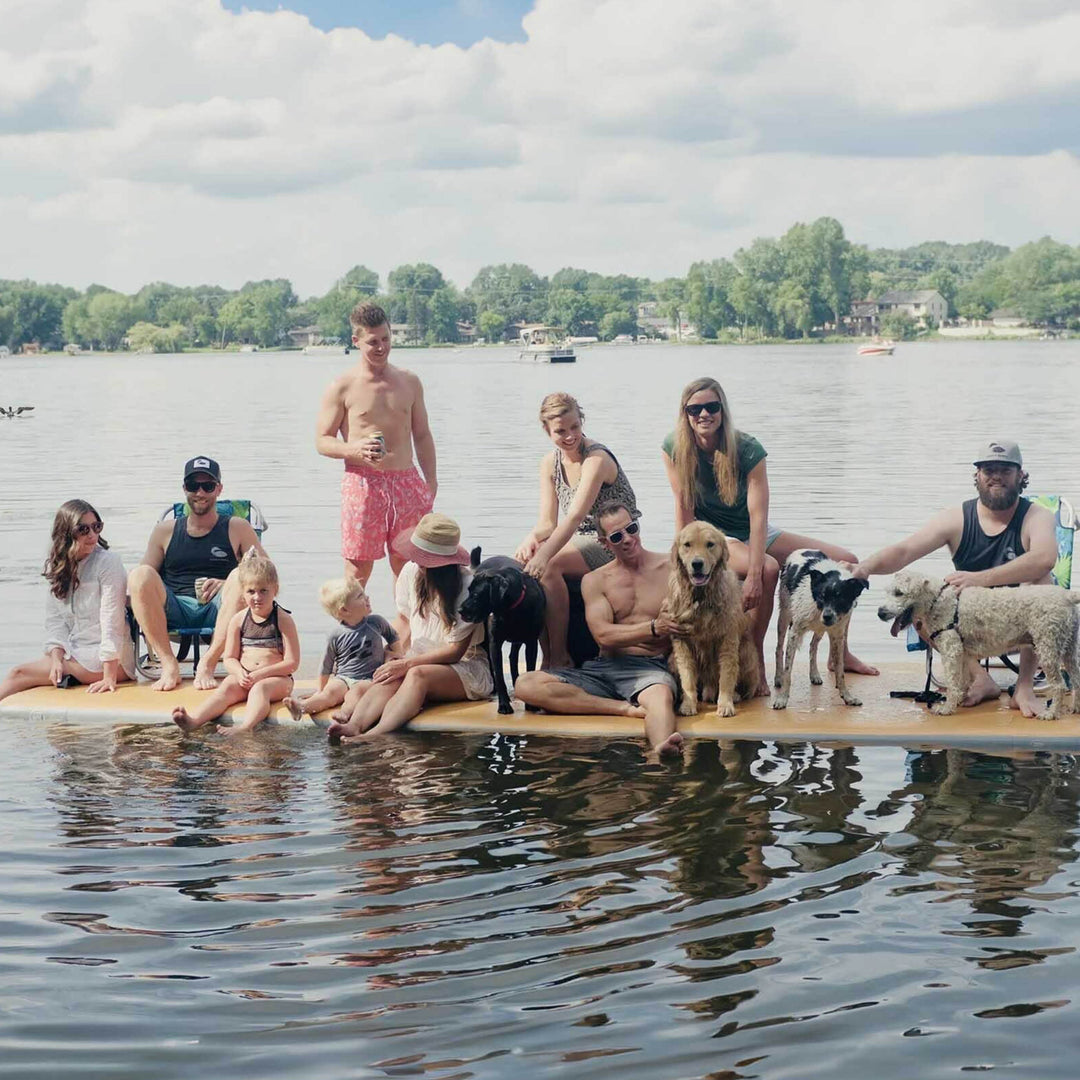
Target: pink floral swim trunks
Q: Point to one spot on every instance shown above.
(376, 505)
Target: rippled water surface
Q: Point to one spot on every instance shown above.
(452, 906)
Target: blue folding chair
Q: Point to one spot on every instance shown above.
(190, 639)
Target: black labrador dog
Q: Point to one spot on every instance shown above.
(511, 605)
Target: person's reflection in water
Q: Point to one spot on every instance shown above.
(993, 830)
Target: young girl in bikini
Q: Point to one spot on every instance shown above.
(262, 650)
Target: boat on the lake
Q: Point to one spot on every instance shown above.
(546, 344)
(877, 348)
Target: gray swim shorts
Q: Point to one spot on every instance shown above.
(619, 677)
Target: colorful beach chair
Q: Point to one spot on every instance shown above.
(190, 640)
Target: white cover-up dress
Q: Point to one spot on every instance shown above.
(90, 623)
(429, 632)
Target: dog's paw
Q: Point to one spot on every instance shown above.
(942, 708)
(849, 700)
(779, 702)
(505, 708)
(1048, 714)
(725, 708)
(687, 707)
(815, 679)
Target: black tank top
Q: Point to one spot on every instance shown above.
(189, 557)
(977, 551)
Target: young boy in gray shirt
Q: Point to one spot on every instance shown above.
(354, 651)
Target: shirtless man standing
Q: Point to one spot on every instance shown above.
(382, 493)
(622, 608)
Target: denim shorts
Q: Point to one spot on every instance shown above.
(186, 613)
(619, 677)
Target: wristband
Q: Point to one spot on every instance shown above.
(652, 626)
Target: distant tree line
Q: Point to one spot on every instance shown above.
(791, 286)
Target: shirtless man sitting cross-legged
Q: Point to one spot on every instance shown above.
(371, 418)
(622, 607)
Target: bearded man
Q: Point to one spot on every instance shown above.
(999, 538)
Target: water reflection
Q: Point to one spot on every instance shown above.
(564, 902)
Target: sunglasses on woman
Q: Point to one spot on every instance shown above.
(82, 530)
(630, 530)
(711, 407)
(200, 485)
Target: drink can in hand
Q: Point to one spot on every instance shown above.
(380, 438)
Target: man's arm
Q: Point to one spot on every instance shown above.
(328, 425)
(423, 440)
(156, 545)
(242, 537)
(943, 529)
(601, 619)
(1031, 568)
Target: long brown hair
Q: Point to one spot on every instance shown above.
(61, 568)
(556, 405)
(725, 459)
(439, 586)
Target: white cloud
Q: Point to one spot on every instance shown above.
(144, 139)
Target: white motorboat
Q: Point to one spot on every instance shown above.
(546, 345)
(877, 348)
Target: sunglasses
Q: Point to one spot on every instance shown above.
(711, 407)
(200, 485)
(82, 530)
(630, 530)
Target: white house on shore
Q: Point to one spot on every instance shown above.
(921, 304)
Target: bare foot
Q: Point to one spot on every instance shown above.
(1024, 699)
(181, 719)
(983, 689)
(170, 676)
(672, 746)
(337, 732)
(340, 717)
(856, 666)
(204, 680)
(295, 707)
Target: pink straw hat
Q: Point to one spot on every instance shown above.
(436, 541)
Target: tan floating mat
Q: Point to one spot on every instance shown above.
(814, 714)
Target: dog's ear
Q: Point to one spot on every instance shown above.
(474, 557)
(864, 583)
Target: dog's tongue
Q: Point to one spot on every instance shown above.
(897, 626)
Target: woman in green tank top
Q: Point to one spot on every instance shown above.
(718, 474)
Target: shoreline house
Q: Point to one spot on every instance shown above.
(921, 304)
(863, 317)
(1005, 318)
(654, 324)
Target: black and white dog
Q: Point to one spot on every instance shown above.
(511, 604)
(817, 597)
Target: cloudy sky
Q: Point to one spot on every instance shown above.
(202, 140)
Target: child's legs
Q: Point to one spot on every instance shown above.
(259, 699)
(434, 682)
(370, 707)
(333, 693)
(351, 705)
(217, 701)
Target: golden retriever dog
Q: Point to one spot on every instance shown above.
(704, 593)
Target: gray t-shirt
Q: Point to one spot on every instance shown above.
(356, 651)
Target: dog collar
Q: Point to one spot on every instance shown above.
(517, 602)
(955, 624)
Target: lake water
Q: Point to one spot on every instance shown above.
(479, 907)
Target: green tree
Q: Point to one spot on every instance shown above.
(793, 308)
(492, 326)
(570, 309)
(443, 315)
(899, 326)
(615, 323)
(511, 289)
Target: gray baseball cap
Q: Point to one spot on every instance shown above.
(999, 452)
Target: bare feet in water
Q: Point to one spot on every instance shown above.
(295, 707)
(181, 719)
(671, 747)
(338, 731)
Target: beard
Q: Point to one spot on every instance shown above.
(997, 496)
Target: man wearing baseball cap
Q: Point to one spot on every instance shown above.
(998, 538)
(204, 547)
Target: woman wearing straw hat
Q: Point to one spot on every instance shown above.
(444, 660)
